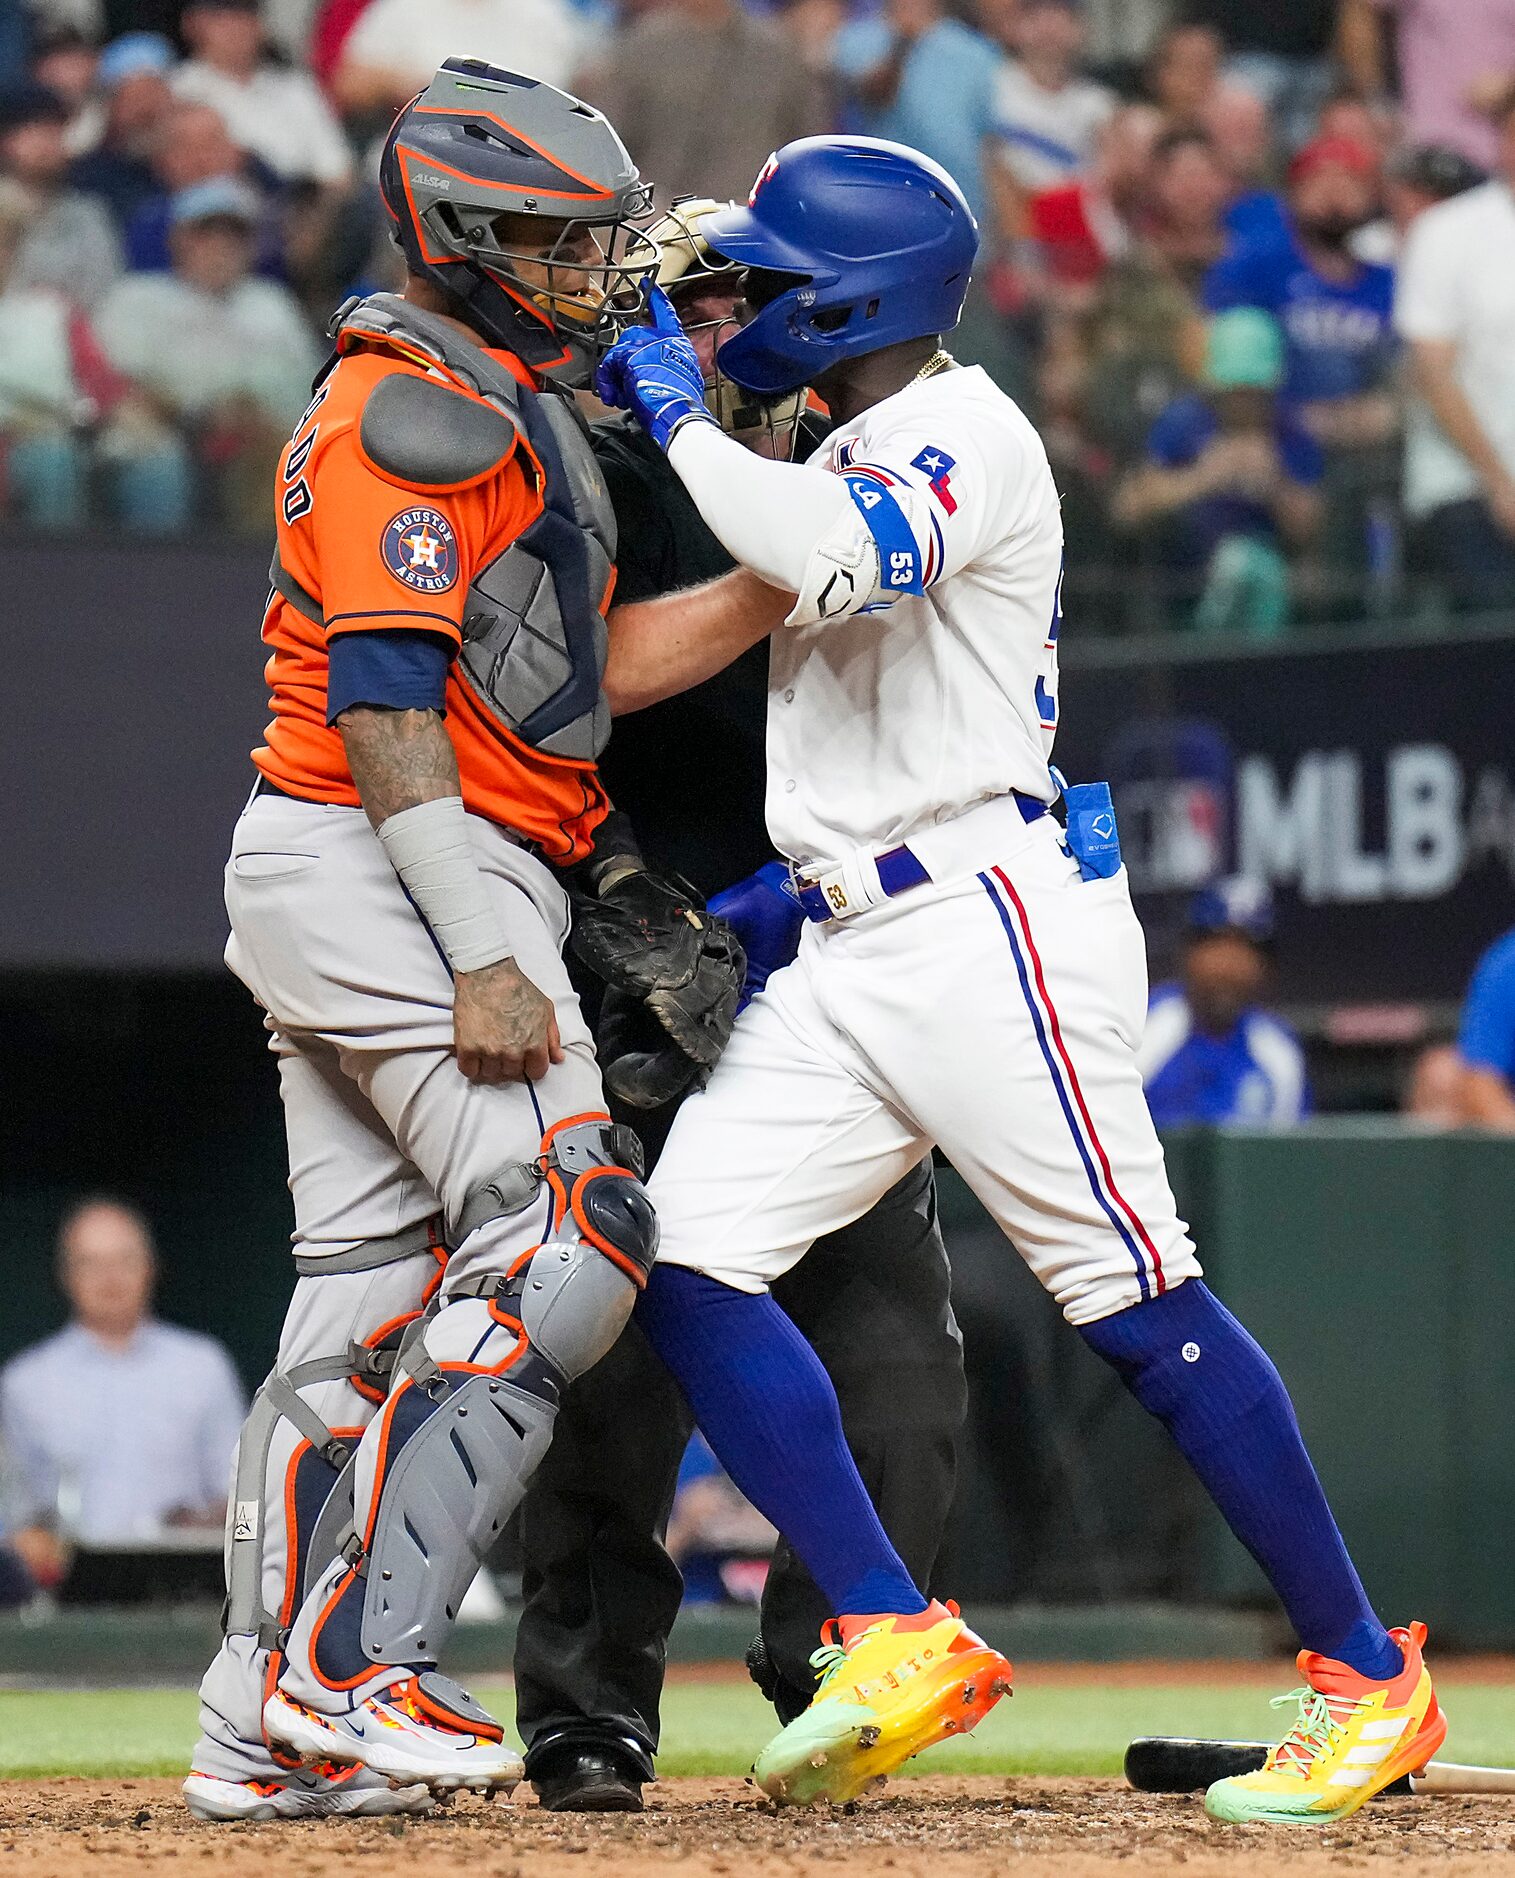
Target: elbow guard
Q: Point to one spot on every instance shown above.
(864, 561)
(842, 576)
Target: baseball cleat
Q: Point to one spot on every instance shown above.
(406, 1732)
(325, 1791)
(1350, 1740)
(890, 1686)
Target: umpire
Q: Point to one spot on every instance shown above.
(600, 1592)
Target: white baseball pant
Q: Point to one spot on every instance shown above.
(994, 1012)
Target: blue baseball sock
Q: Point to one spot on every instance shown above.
(768, 1409)
(1190, 1363)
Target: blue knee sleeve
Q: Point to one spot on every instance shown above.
(769, 1412)
(1191, 1364)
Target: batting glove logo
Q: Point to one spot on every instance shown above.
(420, 549)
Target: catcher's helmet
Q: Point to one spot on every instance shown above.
(852, 244)
(480, 143)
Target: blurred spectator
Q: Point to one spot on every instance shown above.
(1456, 308)
(277, 114)
(1047, 115)
(1335, 311)
(665, 83)
(1433, 1092)
(63, 408)
(396, 45)
(192, 146)
(133, 80)
(1183, 74)
(330, 31)
(1241, 134)
(1455, 61)
(1211, 1054)
(119, 1425)
(1417, 178)
(1486, 1040)
(1145, 346)
(71, 244)
(919, 76)
(1281, 51)
(64, 61)
(227, 355)
(718, 1540)
(1231, 480)
(1078, 229)
(1187, 192)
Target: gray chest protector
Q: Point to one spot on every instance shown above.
(534, 637)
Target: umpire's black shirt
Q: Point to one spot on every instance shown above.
(690, 772)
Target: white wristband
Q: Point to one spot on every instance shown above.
(429, 849)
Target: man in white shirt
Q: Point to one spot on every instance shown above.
(971, 975)
(119, 1425)
(397, 45)
(1455, 305)
(1046, 115)
(276, 113)
(210, 337)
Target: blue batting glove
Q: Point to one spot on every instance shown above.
(766, 917)
(652, 372)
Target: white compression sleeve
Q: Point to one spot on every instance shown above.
(429, 849)
(769, 516)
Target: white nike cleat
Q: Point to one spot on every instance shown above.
(325, 1791)
(423, 1728)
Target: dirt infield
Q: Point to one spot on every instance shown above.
(928, 1828)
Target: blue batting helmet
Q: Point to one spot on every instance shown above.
(872, 242)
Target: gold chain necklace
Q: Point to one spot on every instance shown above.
(939, 361)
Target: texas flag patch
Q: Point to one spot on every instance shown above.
(937, 467)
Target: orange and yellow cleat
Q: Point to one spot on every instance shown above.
(1351, 1739)
(890, 1686)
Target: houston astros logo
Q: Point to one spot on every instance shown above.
(420, 549)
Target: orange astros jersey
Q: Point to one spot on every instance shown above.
(370, 552)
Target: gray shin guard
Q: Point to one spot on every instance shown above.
(473, 1445)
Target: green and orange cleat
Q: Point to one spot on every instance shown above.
(1351, 1739)
(890, 1687)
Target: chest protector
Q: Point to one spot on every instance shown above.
(534, 636)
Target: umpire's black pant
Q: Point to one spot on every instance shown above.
(600, 1592)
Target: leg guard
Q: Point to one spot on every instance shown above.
(471, 1415)
(292, 1489)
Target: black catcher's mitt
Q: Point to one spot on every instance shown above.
(649, 937)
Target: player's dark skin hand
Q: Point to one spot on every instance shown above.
(503, 1028)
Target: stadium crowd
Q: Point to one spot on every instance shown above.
(1252, 269)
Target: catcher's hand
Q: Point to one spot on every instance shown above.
(649, 938)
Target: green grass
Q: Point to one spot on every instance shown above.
(715, 1728)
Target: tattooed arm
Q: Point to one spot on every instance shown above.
(406, 773)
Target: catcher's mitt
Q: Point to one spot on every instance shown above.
(649, 937)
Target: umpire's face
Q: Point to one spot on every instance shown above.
(710, 313)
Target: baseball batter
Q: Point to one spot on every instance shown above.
(599, 1594)
(471, 1228)
(973, 975)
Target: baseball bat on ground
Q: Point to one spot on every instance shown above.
(1169, 1764)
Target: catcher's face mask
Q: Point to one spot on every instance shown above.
(586, 278)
